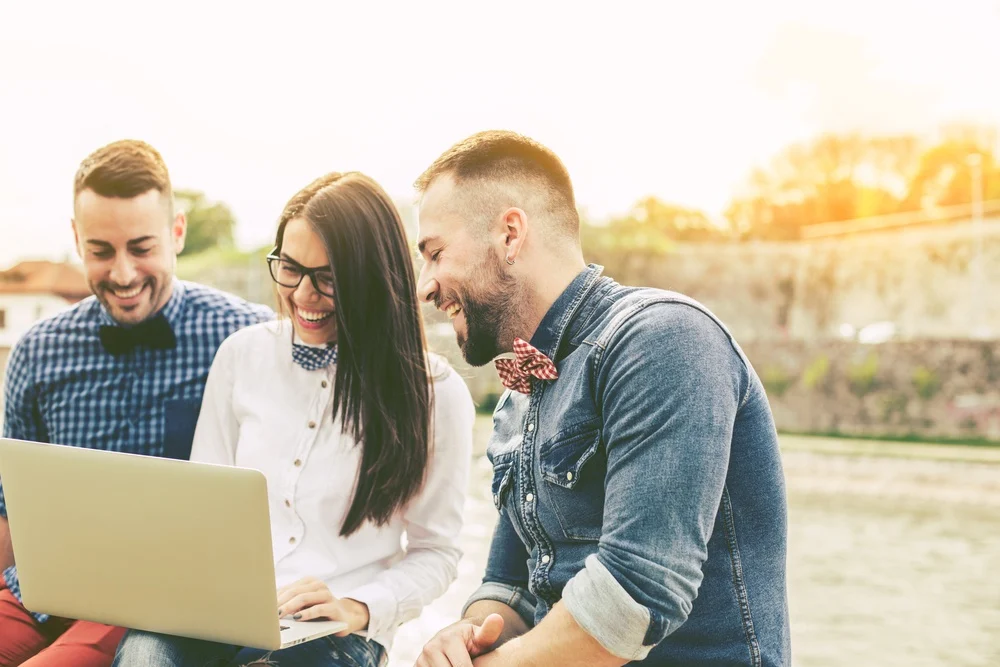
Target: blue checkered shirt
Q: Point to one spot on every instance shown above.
(63, 387)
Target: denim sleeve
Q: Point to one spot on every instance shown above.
(21, 417)
(506, 577)
(669, 383)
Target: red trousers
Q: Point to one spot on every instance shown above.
(59, 642)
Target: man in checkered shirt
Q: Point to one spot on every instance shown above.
(123, 370)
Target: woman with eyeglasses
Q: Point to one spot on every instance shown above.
(363, 436)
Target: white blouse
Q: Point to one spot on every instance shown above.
(261, 410)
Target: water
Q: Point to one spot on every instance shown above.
(892, 562)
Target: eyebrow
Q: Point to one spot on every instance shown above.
(105, 244)
(286, 256)
(426, 242)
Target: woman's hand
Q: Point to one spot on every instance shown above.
(309, 599)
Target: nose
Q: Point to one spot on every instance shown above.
(427, 286)
(305, 292)
(123, 270)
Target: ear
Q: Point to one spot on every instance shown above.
(514, 229)
(76, 238)
(178, 232)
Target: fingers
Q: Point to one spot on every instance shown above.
(449, 648)
(303, 601)
(456, 658)
(457, 654)
(304, 582)
(327, 611)
(486, 635)
(306, 585)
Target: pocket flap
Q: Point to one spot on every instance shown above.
(563, 457)
(503, 471)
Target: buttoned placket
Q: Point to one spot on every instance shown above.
(528, 505)
(318, 417)
(529, 500)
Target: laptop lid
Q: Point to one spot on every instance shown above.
(141, 542)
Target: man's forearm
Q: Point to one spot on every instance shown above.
(555, 642)
(513, 624)
(6, 550)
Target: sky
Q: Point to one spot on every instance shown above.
(676, 100)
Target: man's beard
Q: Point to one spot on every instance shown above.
(124, 315)
(490, 315)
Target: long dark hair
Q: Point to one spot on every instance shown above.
(383, 392)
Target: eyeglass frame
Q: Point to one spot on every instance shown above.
(303, 272)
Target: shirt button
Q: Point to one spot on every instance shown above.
(298, 462)
(324, 384)
(529, 497)
(569, 477)
(288, 503)
(545, 558)
(531, 427)
(312, 424)
(291, 540)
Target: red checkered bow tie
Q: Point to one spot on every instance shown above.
(516, 373)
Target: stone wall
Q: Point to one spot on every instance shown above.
(930, 390)
(786, 303)
(940, 389)
(925, 280)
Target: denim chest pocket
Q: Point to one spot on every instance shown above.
(180, 417)
(503, 473)
(573, 468)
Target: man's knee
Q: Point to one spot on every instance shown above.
(143, 649)
(21, 636)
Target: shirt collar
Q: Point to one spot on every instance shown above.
(550, 332)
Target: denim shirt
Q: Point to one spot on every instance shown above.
(643, 487)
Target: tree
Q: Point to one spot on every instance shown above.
(834, 177)
(652, 228)
(849, 177)
(945, 174)
(210, 224)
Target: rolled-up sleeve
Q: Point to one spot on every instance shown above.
(670, 383)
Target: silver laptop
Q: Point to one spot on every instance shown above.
(154, 544)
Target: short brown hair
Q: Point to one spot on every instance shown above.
(501, 156)
(123, 169)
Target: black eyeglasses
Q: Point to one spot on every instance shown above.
(288, 273)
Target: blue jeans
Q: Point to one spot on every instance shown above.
(146, 649)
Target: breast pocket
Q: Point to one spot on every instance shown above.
(503, 475)
(573, 468)
(180, 417)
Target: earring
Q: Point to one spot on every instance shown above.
(510, 262)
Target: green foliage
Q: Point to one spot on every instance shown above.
(926, 382)
(816, 372)
(209, 224)
(192, 267)
(776, 380)
(852, 176)
(488, 403)
(892, 404)
(651, 228)
(862, 375)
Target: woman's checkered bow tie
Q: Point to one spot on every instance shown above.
(516, 373)
(313, 358)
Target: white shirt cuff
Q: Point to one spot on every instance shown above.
(382, 608)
